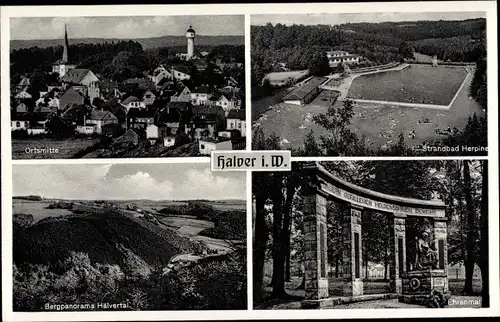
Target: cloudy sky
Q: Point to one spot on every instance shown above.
(341, 18)
(128, 181)
(125, 27)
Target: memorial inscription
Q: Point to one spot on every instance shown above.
(377, 205)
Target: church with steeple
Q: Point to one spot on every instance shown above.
(63, 65)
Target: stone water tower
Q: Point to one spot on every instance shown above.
(190, 34)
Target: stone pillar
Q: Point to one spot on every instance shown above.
(441, 246)
(352, 256)
(397, 230)
(316, 276)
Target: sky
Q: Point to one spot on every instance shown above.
(186, 181)
(125, 27)
(341, 18)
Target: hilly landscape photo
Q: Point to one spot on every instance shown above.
(128, 237)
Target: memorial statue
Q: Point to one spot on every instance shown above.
(425, 256)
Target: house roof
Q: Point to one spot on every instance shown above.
(201, 109)
(75, 75)
(102, 115)
(236, 114)
(167, 115)
(301, 92)
(182, 68)
(204, 89)
(74, 112)
(32, 117)
(136, 112)
(181, 106)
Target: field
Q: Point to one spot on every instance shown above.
(281, 76)
(416, 84)
(67, 148)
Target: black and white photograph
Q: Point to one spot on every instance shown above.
(371, 235)
(126, 87)
(371, 84)
(128, 237)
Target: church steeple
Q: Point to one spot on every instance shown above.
(65, 57)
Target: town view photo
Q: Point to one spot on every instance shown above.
(371, 84)
(128, 237)
(124, 87)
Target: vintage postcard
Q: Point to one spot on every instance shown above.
(126, 87)
(250, 161)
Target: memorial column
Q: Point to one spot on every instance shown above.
(351, 226)
(315, 235)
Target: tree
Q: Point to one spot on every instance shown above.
(318, 65)
(484, 246)
(340, 140)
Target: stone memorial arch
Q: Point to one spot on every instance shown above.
(411, 286)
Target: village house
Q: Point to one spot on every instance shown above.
(100, 118)
(25, 121)
(85, 78)
(23, 84)
(305, 93)
(142, 84)
(200, 64)
(21, 108)
(207, 145)
(184, 95)
(45, 110)
(221, 100)
(160, 74)
(23, 95)
(337, 57)
(70, 97)
(85, 129)
(109, 89)
(200, 95)
(129, 138)
(140, 118)
(205, 122)
(133, 102)
(169, 118)
(235, 120)
(152, 133)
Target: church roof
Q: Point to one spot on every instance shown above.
(75, 75)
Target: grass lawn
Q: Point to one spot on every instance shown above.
(37, 209)
(415, 84)
(280, 76)
(67, 148)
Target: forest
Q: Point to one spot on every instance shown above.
(279, 240)
(378, 43)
